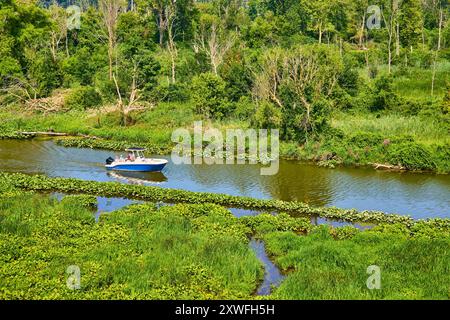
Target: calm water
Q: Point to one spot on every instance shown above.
(420, 195)
(272, 275)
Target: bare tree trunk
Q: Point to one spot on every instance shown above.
(110, 10)
(434, 73)
(320, 32)
(215, 45)
(390, 27)
(440, 28)
(361, 32)
(53, 48)
(119, 100)
(67, 46)
(397, 39)
(170, 14)
(110, 57)
(436, 52)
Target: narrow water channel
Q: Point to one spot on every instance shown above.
(272, 275)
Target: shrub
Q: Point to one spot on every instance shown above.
(384, 96)
(365, 139)
(208, 93)
(442, 157)
(244, 108)
(268, 116)
(82, 98)
(421, 58)
(446, 101)
(412, 156)
(171, 93)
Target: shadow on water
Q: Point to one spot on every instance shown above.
(138, 178)
(272, 275)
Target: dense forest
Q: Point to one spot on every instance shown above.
(346, 81)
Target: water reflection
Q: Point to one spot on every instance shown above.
(420, 195)
(138, 178)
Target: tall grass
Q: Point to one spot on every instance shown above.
(325, 268)
(422, 130)
(179, 252)
(154, 125)
(417, 82)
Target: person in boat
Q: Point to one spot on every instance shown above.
(130, 156)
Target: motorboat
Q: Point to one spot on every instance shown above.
(135, 161)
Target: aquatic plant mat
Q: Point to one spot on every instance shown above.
(152, 193)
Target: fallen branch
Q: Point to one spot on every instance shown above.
(57, 134)
(386, 166)
(41, 133)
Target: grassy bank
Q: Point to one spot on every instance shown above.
(410, 142)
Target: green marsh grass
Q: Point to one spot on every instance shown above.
(137, 253)
(422, 130)
(416, 84)
(321, 267)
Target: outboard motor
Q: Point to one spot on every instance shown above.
(109, 160)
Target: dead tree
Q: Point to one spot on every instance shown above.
(214, 43)
(133, 102)
(170, 14)
(110, 10)
(59, 31)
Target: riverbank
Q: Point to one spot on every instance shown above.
(421, 147)
(201, 251)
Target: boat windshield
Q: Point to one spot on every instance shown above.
(135, 153)
(138, 154)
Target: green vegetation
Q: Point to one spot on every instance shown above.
(201, 252)
(150, 193)
(308, 68)
(139, 253)
(323, 267)
(340, 94)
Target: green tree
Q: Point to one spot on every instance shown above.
(209, 97)
(410, 23)
(24, 34)
(299, 81)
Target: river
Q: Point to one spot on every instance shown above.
(419, 195)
